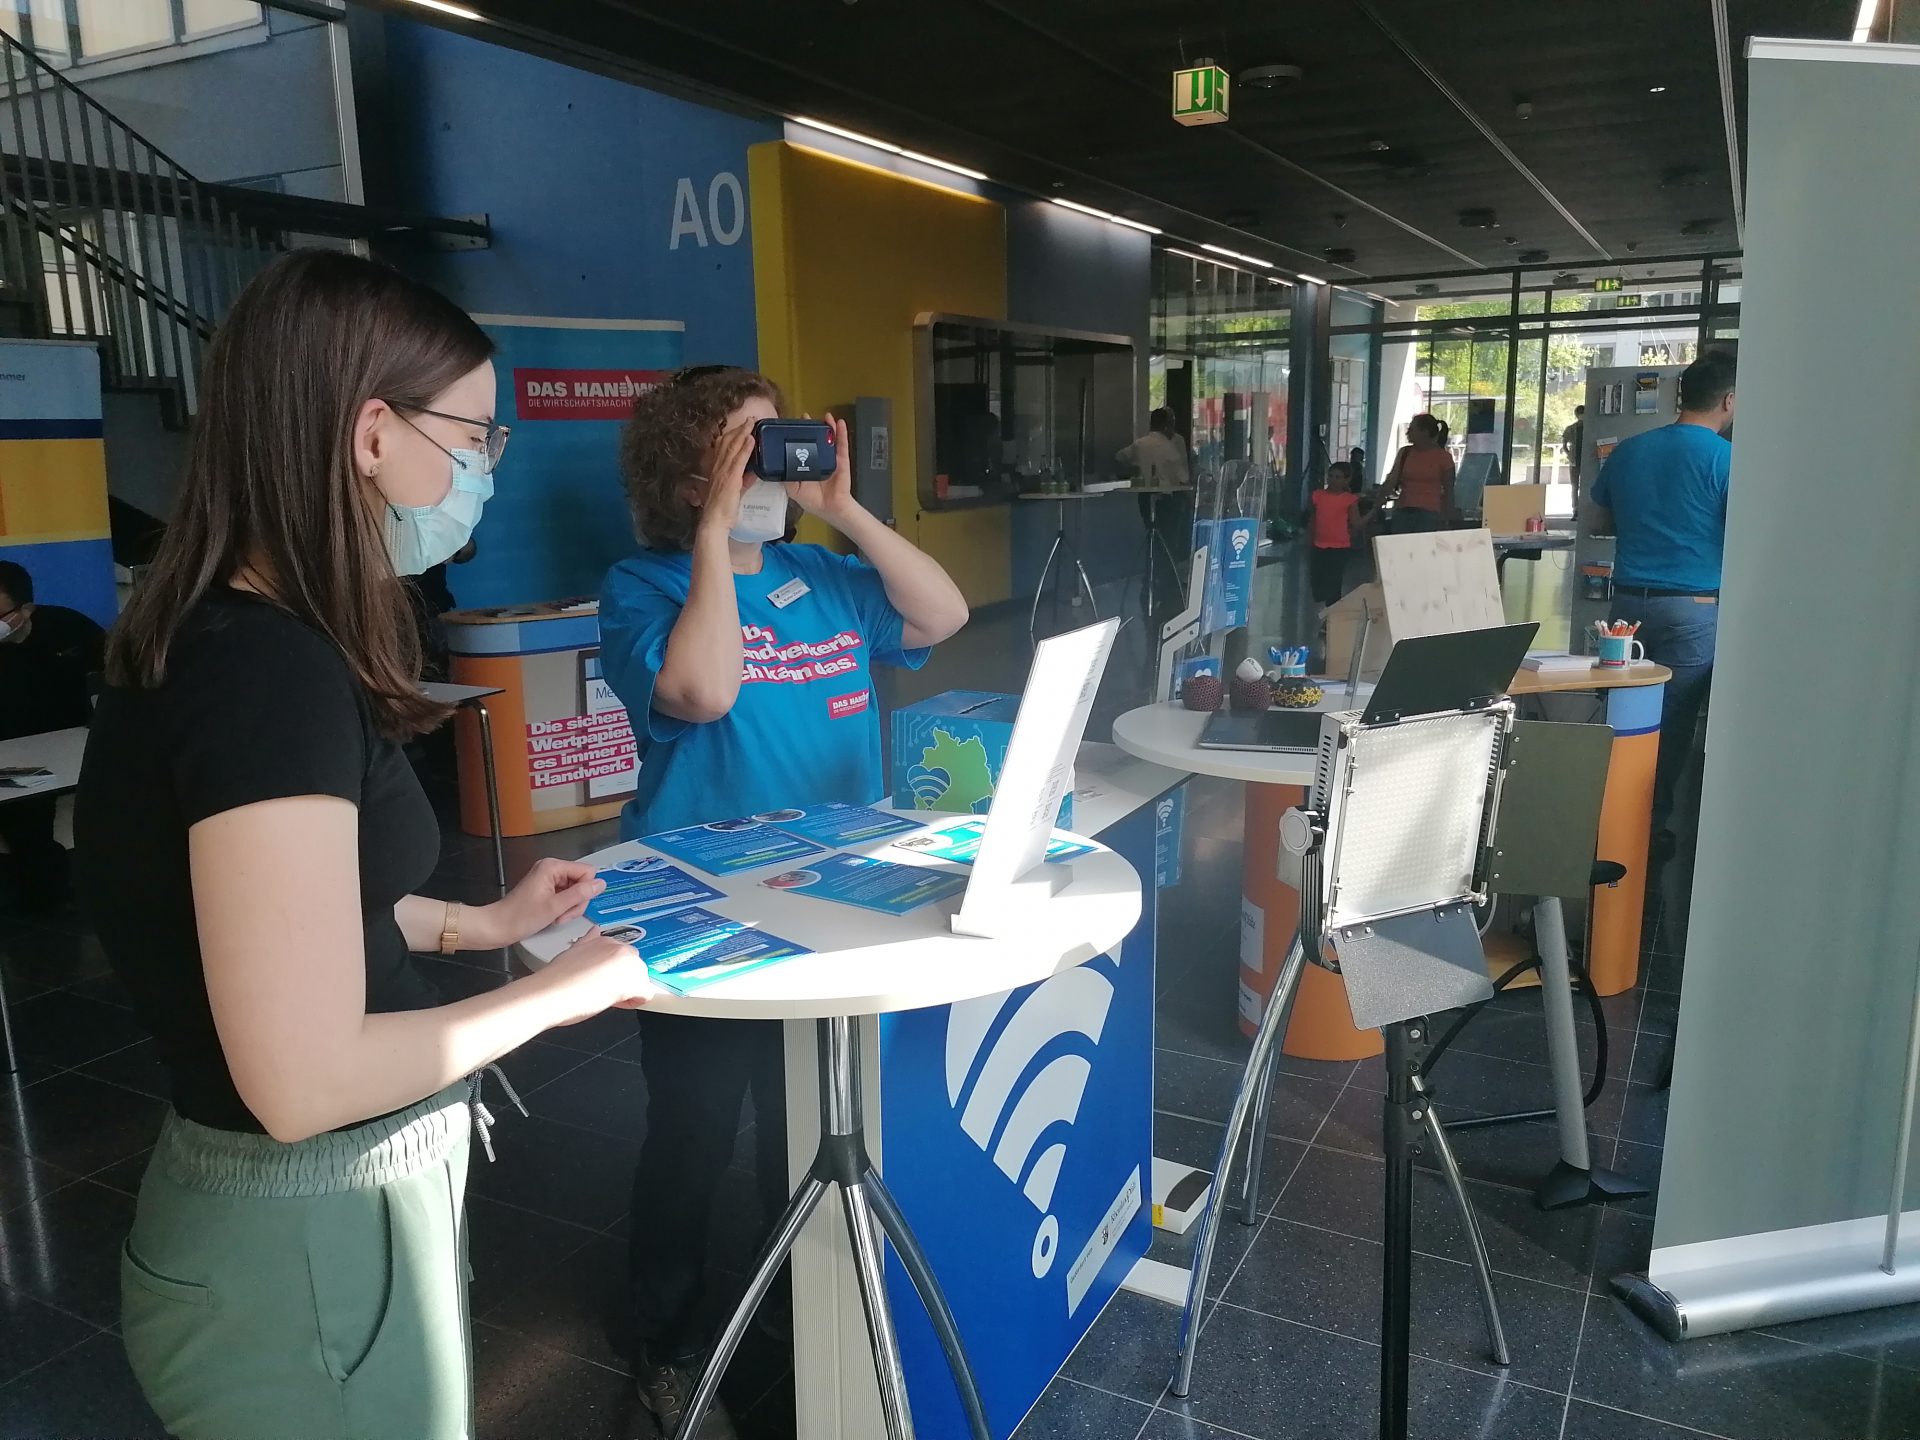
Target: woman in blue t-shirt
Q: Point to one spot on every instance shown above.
(746, 668)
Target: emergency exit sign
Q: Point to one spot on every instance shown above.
(1628, 302)
(1200, 95)
(1605, 284)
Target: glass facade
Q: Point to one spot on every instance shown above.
(68, 32)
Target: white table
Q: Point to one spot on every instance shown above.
(59, 751)
(866, 964)
(474, 698)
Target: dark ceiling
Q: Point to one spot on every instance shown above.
(1367, 151)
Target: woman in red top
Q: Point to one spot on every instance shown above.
(1422, 479)
(1333, 528)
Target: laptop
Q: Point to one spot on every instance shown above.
(1296, 731)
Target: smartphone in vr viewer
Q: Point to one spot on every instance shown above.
(789, 450)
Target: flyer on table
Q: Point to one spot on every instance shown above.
(835, 823)
(869, 884)
(693, 948)
(727, 847)
(643, 886)
(960, 843)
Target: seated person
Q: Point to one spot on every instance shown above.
(747, 670)
(46, 654)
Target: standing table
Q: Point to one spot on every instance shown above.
(1062, 541)
(1154, 546)
(474, 698)
(59, 751)
(866, 965)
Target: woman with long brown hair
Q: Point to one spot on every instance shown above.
(249, 840)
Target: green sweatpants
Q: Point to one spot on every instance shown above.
(314, 1291)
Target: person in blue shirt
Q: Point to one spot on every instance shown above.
(747, 670)
(1667, 494)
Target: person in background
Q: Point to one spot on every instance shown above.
(747, 670)
(1159, 458)
(47, 654)
(249, 843)
(1357, 460)
(1422, 479)
(1666, 491)
(1332, 522)
(1573, 441)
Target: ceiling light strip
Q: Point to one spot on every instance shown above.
(1473, 118)
(1863, 21)
(874, 142)
(459, 12)
(1106, 215)
(1236, 255)
(1730, 118)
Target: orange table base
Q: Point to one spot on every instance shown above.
(1322, 1026)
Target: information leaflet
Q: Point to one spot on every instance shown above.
(693, 948)
(960, 843)
(645, 886)
(870, 884)
(838, 824)
(727, 847)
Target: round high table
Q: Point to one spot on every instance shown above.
(1321, 1026)
(865, 964)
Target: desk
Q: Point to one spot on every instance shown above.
(59, 751)
(1321, 1027)
(868, 968)
(474, 698)
(1062, 498)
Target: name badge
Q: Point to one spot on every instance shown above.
(788, 593)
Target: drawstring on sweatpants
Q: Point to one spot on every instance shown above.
(483, 1117)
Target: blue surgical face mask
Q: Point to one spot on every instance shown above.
(419, 537)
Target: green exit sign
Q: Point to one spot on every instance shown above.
(1628, 302)
(1606, 283)
(1200, 95)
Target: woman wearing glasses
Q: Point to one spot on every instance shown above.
(250, 838)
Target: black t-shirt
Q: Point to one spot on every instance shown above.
(43, 675)
(255, 706)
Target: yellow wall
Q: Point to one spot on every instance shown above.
(844, 257)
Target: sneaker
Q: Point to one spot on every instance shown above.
(665, 1387)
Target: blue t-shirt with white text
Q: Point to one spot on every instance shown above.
(1667, 489)
(806, 726)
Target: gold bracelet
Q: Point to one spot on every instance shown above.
(450, 929)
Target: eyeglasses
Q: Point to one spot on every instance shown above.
(493, 446)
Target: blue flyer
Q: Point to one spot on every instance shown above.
(836, 824)
(960, 843)
(691, 948)
(870, 884)
(644, 886)
(728, 846)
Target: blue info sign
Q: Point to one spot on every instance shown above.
(1016, 1133)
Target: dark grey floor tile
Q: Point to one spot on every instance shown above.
(86, 1391)
(1197, 1143)
(1643, 1115)
(1166, 1425)
(1229, 1249)
(1595, 1422)
(535, 1064)
(557, 1170)
(1070, 1411)
(1624, 1246)
(27, 1181)
(1742, 1385)
(1332, 1282)
(1660, 1013)
(572, 1305)
(1277, 1380)
(65, 1029)
(79, 1124)
(1661, 973)
(596, 1036)
(456, 981)
(1130, 1350)
(135, 1068)
(525, 1389)
(65, 1250)
(32, 1332)
(1642, 1162)
(771, 1417)
(604, 1095)
(124, 1175)
(105, 988)
(1890, 1336)
(1201, 1024)
(47, 957)
(1204, 1090)
(509, 1248)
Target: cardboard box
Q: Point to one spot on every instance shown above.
(948, 750)
(1343, 629)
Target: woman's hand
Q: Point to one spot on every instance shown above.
(597, 973)
(551, 893)
(831, 499)
(727, 481)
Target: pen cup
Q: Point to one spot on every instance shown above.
(1618, 651)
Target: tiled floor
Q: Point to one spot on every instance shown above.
(1289, 1338)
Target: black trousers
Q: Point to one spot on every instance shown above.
(1327, 573)
(40, 863)
(698, 1071)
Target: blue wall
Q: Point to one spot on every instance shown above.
(600, 195)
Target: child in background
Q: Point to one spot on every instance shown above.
(1332, 522)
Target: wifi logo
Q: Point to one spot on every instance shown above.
(801, 456)
(1025, 1127)
(1240, 539)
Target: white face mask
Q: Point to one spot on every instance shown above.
(419, 537)
(6, 629)
(763, 514)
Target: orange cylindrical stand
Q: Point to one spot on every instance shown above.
(1322, 1026)
(1626, 818)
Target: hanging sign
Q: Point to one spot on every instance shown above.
(1200, 95)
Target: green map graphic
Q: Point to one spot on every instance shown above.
(969, 779)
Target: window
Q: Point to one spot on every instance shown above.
(106, 28)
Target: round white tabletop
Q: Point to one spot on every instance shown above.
(1169, 735)
(866, 963)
